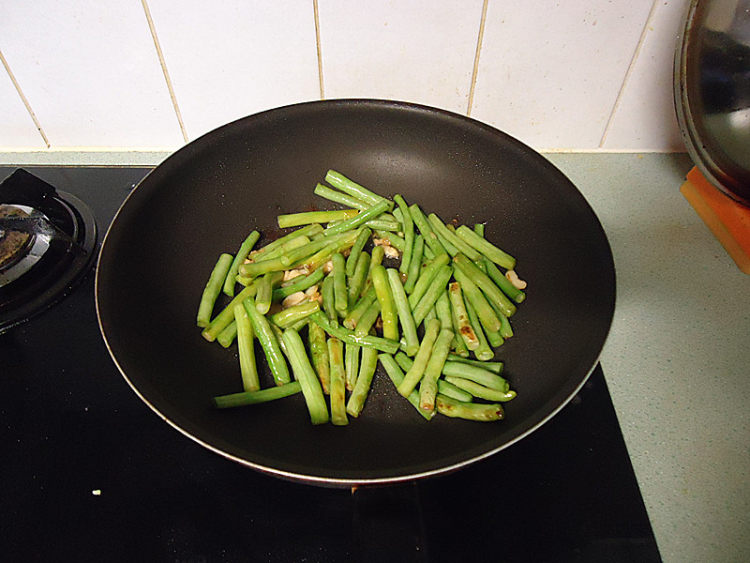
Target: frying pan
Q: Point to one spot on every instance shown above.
(206, 197)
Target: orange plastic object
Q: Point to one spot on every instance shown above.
(728, 220)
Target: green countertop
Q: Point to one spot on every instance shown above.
(678, 356)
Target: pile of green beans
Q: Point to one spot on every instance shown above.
(326, 305)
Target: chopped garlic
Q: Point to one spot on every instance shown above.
(291, 274)
(294, 299)
(513, 278)
(389, 251)
(313, 294)
(328, 267)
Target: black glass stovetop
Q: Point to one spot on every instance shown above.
(89, 473)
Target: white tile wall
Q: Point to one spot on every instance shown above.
(568, 75)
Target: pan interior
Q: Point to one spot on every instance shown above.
(208, 196)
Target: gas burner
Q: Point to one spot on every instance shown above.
(47, 243)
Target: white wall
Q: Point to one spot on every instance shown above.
(558, 75)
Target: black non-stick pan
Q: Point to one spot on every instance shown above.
(205, 198)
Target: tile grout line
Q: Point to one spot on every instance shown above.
(164, 70)
(316, 15)
(25, 101)
(628, 73)
(475, 68)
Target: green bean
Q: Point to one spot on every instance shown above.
(483, 351)
(357, 248)
(245, 247)
(368, 318)
(297, 254)
(348, 336)
(436, 289)
(428, 384)
(359, 278)
(264, 294)
(338, 180)
(306, 231)
(226, 316)
(245, 398)
(255, 269)
(397, 376)
(482, 412)
(391, 239)
(459, 346)
(318, 345)
(450, 237)
(282, 250)
(494, 367)
(479, 229)
(388, 311)
(384, 225)
(304, 373)
(492, 252)
(352, 319)
(324, 255)
(340, 297)
(426, 277)
(308, 217)
(444, 387)
(213, 289)
(338, 381)
(408, 230)
(505, 329)
(430, 238)
(351, 364)
(328, 299)
(477, 374)
(439, 233)
(443, 310)
(415, 264)
(227, 336)
(292, 315)
(300, 283)
(494, 337)
(340, 197)
(358, 220)
(503, 283)
(480, 391)
(415, 374)
(496, 297)
(376, 258)
(464, 330)
(364, 381)
(408, 326)
(246, 349)
(269, 343)
(478, 301)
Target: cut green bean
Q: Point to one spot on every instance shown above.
(256, 269)
(494, 367)
(388, 311)
(482, 412)
(340, 296)
(318, 346)
(281, 250)
(391, 239)
(231, 278)
(492, 252)
(415, 264)
(337, 196)
(246, 349)
(227, 336)
(396, 375)
(480, 391)
(320, 258)
(338, 381)
(226, 316)
(358, 220)
(451, 238)
(308, 217)
(503, 283)
(300, 283)
(496, 297)
(408, 326)
(426, 276)
(264, 295)
(459, 346)
(405, 363)
(297, 254)
(506, 330)
(416, 372)
(351, 364)
(407, 225)
(367, 367)
(306, 231)
(328, 299)
(213, 289)
(267, 338)
(474, 296)
(246, 398)
(443, 310)
(358, 279)
(348, 336)
(428, 384)
(292, 315)
(359, 244)
(433, 293)
(479, 229)
(430, 238)
(465, 331)
(346, 185)
(477, 374)
(305, 374)
(352, 319)
(483, 351)
(383, 226)
(368, 318)
(376, 258)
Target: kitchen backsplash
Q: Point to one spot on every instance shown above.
(154, 74)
